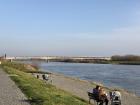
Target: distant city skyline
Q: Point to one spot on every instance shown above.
(69, 27)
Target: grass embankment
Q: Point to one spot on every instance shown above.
(37, 91)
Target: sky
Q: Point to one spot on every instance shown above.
(69, 27)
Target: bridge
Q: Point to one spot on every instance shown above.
(56, 57)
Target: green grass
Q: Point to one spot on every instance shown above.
(40, 93)
(18, 66)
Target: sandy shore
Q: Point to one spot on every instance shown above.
(80, 87)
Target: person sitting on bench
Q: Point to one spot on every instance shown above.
(103, 97)
(96, 92)
(45, 77)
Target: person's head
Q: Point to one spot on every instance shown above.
(102, 91)
(98, 87)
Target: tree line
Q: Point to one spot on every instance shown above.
(125, 58)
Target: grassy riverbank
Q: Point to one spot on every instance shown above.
(37, 91)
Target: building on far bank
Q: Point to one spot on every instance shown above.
(1, 59)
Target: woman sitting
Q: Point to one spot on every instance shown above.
(103, 97)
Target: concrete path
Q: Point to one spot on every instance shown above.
(10, 94)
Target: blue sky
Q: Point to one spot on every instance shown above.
(69, 27)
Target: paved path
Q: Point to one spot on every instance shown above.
(80, 88)
(10, 94)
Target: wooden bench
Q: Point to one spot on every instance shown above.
(93, 97)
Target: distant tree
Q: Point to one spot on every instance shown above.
(125, 58)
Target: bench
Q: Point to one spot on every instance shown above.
(93, 97)
(43, 76)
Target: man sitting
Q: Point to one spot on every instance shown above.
(96, 92)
